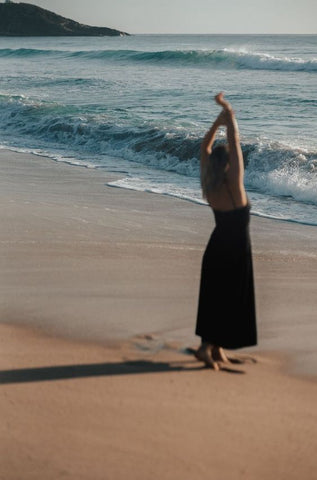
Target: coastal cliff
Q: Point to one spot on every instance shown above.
(24, 19)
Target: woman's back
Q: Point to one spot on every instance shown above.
(227, 197)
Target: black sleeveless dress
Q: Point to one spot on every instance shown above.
(226, 311)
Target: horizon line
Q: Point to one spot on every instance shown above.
(226, 33)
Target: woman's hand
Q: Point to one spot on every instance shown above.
(223, 103)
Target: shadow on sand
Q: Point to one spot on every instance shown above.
(64, 372)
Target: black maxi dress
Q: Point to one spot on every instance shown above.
(226, 310)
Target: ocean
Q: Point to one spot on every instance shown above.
(140, 105)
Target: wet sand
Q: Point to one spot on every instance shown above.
(99, 277)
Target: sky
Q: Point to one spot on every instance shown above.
(191, 16)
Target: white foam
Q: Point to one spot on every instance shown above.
(265, 61)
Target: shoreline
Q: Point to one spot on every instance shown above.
(117, 177)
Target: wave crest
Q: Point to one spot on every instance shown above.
(224, 58)
(271, 168)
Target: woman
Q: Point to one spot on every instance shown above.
(226, 311)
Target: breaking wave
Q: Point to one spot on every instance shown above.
(224, 58)
(271, 168)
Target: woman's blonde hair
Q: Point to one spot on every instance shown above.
(213, 173)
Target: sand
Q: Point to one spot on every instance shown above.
(99, 293)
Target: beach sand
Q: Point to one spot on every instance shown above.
(99, 293)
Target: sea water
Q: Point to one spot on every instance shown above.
(140, 105)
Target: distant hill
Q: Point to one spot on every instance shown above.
(24, 19)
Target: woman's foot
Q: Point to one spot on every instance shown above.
(218, 355)
(204, 354)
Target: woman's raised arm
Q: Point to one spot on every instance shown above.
(235, 173)
(209, 138)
